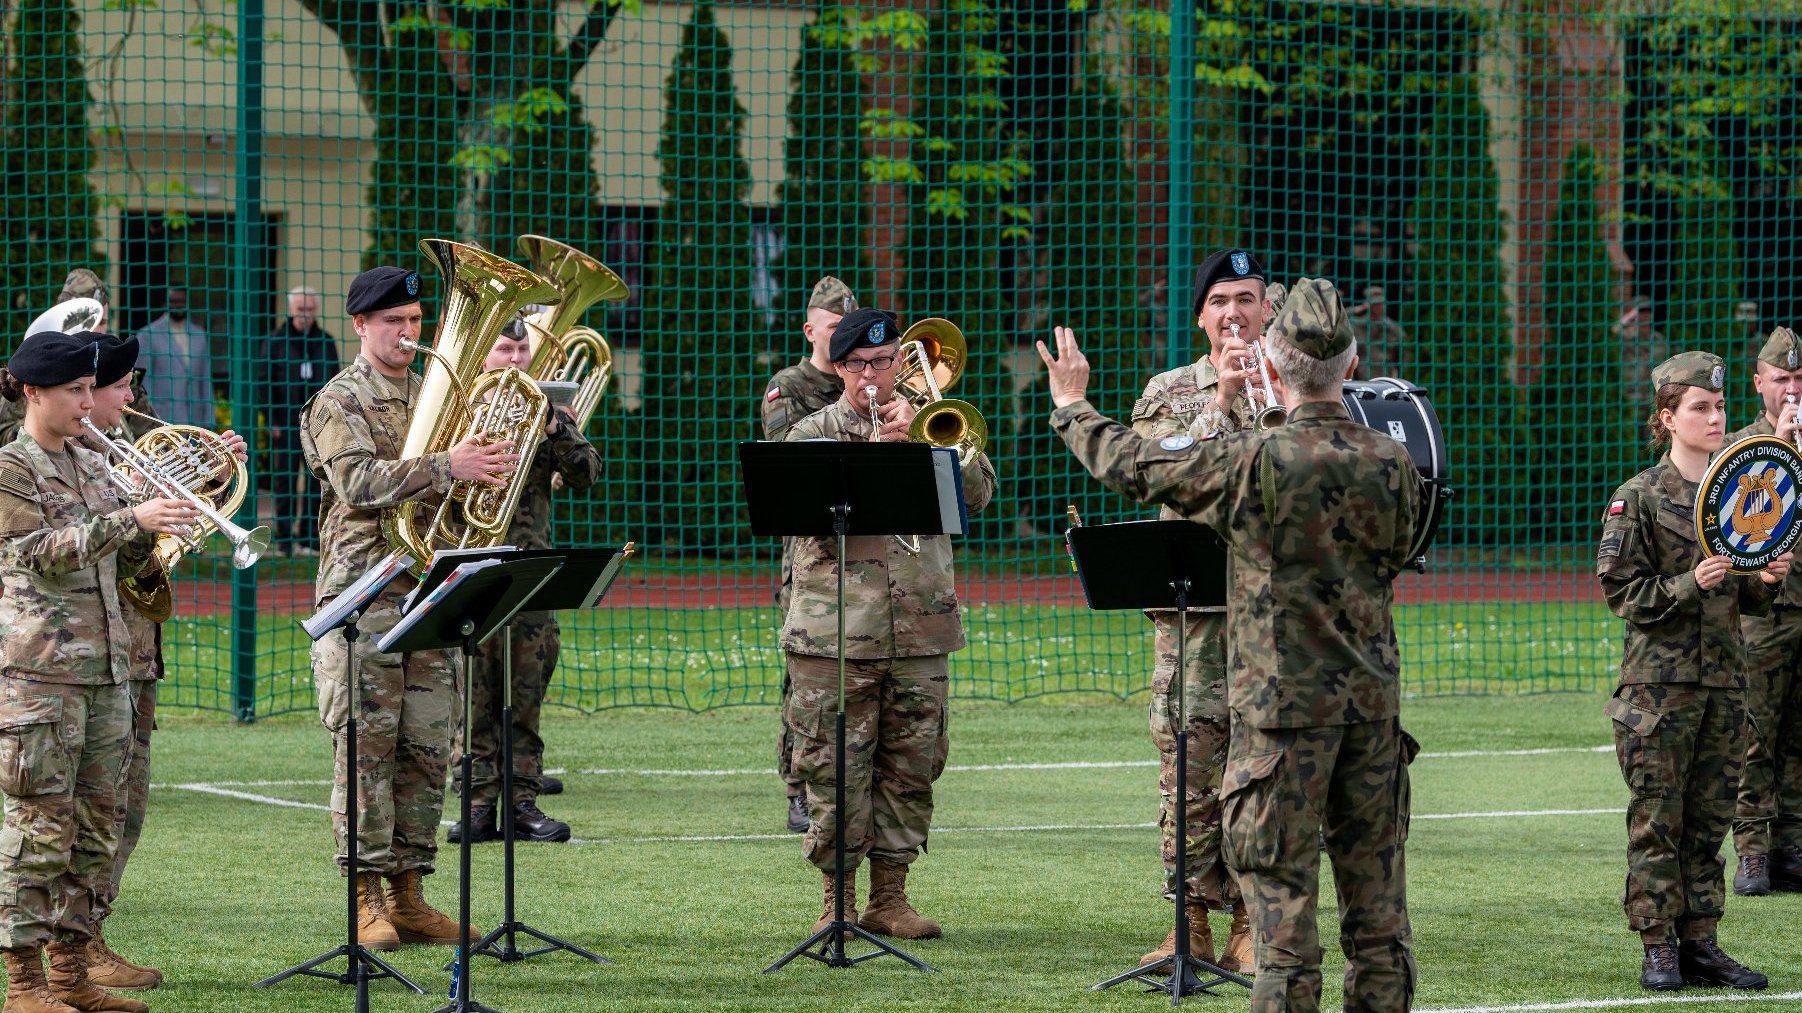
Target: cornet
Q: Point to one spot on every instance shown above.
(1272, 413)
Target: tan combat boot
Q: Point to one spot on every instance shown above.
(414, 920)
(26, 989)
(374, 930)
(109, 970)
(827, 910)
(889, 913)
(1201, 938)
(1238, 955)
(69, 982)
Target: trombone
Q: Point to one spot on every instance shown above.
(933, 353)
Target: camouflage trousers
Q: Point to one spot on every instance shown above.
(1204, 706)
(896, 746)
(62, 755)
(535, 645)
(785, 739)
(1680, 748)
(1283, 788)
(134, 795)
(1768, 814)
(406, 706)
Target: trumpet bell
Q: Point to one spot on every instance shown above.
(1273, 416)
(950, 423)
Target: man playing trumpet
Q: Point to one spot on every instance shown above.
(901, 625)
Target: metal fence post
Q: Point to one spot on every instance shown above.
(1182, 182)
(249, 242)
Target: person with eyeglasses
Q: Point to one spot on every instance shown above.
(901, 625)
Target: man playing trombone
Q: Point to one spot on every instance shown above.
(1202, 400)
(901, 625)
(352, 432)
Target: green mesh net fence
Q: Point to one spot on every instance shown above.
(1526, 205)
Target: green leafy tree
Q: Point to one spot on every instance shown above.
(698, 310)
(47, 206)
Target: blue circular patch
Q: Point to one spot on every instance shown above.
(412, 282)
(1173, 443)
(878, 333)
(1241, 264)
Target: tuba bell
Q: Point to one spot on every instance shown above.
(459, 399)
(565, 351)
(933, 353)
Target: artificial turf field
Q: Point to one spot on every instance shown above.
(1043, 869)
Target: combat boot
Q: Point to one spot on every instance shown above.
(1704, 963)
(548, 785)
(414, 920)
(109, 970)
(1754, 876)
(481, 818)
(26, 989)
(374, 930)
(1201, 938)
(1786, 870)
(1659, 970)
(889, 913)
(69, 982)
(827, 910)
(531, 824)
(1238, 956)
(797, 814)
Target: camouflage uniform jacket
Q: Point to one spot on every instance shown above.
(12, 413)
(351, 432)
(1181, 402)
(1789, 593)
(897, 605)
(566, 452)
(146, 655)
(795, 393)
(1318, 514)
(61, 547)
(1676, 632)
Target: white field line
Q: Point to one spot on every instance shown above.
(213, 789)
(1648, 1000)
(962, 769)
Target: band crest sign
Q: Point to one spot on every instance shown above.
(1746, 507)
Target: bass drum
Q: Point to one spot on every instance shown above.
(1400, 410)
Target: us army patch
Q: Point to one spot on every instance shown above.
(1142, 408)
(1175, 443)
(16, 479)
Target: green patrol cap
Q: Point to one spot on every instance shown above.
(1274, 294)
(1692, 369)
(832, 295)
(1313, 319)
(1783, 350)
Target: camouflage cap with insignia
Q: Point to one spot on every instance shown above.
(1782, 350)
(1313, 320)
(1692, 369)
(83, 284)
(832, 295)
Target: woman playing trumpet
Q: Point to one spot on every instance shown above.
(65, 714)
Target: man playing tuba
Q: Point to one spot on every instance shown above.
(352, 432)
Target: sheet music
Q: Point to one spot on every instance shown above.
(412, 597)
(358, 595)
(952, 514)
(416, 615)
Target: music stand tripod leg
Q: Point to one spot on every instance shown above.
(831, 938)
(502, 941)
(461, 1002)
(358, 958)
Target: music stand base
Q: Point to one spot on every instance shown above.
(831, 952)
(1182, 980)
(357, 971)
(492, 945)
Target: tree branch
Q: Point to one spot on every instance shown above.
(587, 39)
(358, 26)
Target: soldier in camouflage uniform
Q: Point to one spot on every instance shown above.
(1767, 821)
(533, 636)
(66, 534)
(81, 306)
(1679, 712)
(1318, 514)
(901, 625)
(795, 393)
(352, 431)
(1203, 400)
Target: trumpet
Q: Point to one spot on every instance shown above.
(1271, 413)
(190, 464)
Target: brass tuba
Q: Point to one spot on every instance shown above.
(458, 399)
(564, 350)
(932, 354)
(181, 462)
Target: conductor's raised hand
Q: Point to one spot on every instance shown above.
(1069, 371)
(474, 460)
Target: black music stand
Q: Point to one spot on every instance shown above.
(361, 966)
(465, 609)
(1160, 565)
(585, 577)
(824, 488)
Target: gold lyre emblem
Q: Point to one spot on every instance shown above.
(1759, 508)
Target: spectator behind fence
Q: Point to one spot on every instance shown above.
(298, 357)
(176, 357)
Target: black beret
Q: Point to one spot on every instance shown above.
(52, 358)
(118, 357)
(381, 288)
(1223, 265)
(864, 328)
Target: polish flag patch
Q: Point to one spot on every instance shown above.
(775, 392)
(1616, 508)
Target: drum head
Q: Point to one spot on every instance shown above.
(1401, 411)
